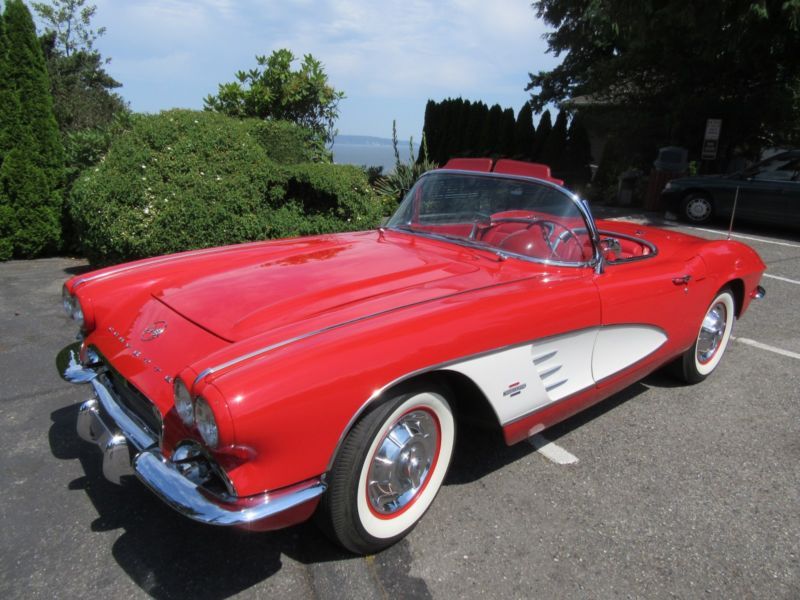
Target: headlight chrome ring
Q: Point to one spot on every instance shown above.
(72, 306)
(206, 423)
(183, 402)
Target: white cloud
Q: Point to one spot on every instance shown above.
(400, 52)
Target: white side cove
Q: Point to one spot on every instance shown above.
(620, 346)
(526, 378)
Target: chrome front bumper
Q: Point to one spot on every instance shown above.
(130, 449)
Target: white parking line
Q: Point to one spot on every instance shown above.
(768, 348)
(786, 279)
(551, 451)
(747, 237)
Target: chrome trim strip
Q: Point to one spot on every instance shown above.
(165, 481)
(255, 353)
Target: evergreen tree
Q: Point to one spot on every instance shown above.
(81, 87)
(505, 142)
(428, 128)
(439, 152)
(32, 166)
(478, 113)
(553, 149)
(491, 128)
(578, 154)
(542, 133)
(8, 115)
(524, 133)
(459, 133)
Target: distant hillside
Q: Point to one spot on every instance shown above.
(369, 150)
(363, 140)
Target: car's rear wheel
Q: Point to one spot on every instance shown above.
(389, 470)
(702, 358)
(697, 208)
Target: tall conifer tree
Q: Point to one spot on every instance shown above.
(32, 166)
(524, 133)
(505, 143)
(542, 133)
(553, 150)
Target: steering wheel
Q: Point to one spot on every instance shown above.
(493, 222)
(479, 218)
(562, 238)
(548, 229)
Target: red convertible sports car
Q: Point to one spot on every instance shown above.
(258, 384)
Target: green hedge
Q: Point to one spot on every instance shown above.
(185, 179)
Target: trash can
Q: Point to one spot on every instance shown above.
(626, 187)
(670, 164)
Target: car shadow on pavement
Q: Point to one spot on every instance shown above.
(481, 451)
(169, 556)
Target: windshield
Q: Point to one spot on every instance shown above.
(514, 216)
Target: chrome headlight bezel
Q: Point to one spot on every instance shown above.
(182, 399)
(72, 306)
(206, 422)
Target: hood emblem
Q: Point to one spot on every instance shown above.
(153, 330)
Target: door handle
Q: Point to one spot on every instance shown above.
(682, 280)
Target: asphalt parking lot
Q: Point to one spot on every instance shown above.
(676, 492)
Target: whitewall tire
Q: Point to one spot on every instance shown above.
(389, 470)
(712, 338)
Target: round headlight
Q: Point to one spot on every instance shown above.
(183, 402)
(71, 306)
(206, 424)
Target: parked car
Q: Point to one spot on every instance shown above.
(256, 385)
(769, 192)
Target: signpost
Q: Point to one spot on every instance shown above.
(711, 139)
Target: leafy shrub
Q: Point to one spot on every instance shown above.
(185, 179)
(287, 143)
(323, 198)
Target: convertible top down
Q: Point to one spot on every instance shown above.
(257, 384)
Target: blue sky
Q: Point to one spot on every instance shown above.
(389, 57)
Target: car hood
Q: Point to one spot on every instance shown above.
(341, 276)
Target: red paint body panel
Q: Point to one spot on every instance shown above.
(301, 335)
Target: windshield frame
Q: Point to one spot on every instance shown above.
(581, 205)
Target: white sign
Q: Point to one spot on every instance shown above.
(713, 127)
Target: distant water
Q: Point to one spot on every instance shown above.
(378, 155)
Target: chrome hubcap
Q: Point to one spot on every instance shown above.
(698, 208)
(711, 332)
(402, 462)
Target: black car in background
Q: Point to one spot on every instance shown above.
(769, 192)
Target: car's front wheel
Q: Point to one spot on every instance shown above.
(388, 470)
(702, 358)
(697, 208)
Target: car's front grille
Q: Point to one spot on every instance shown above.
(130, 399)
